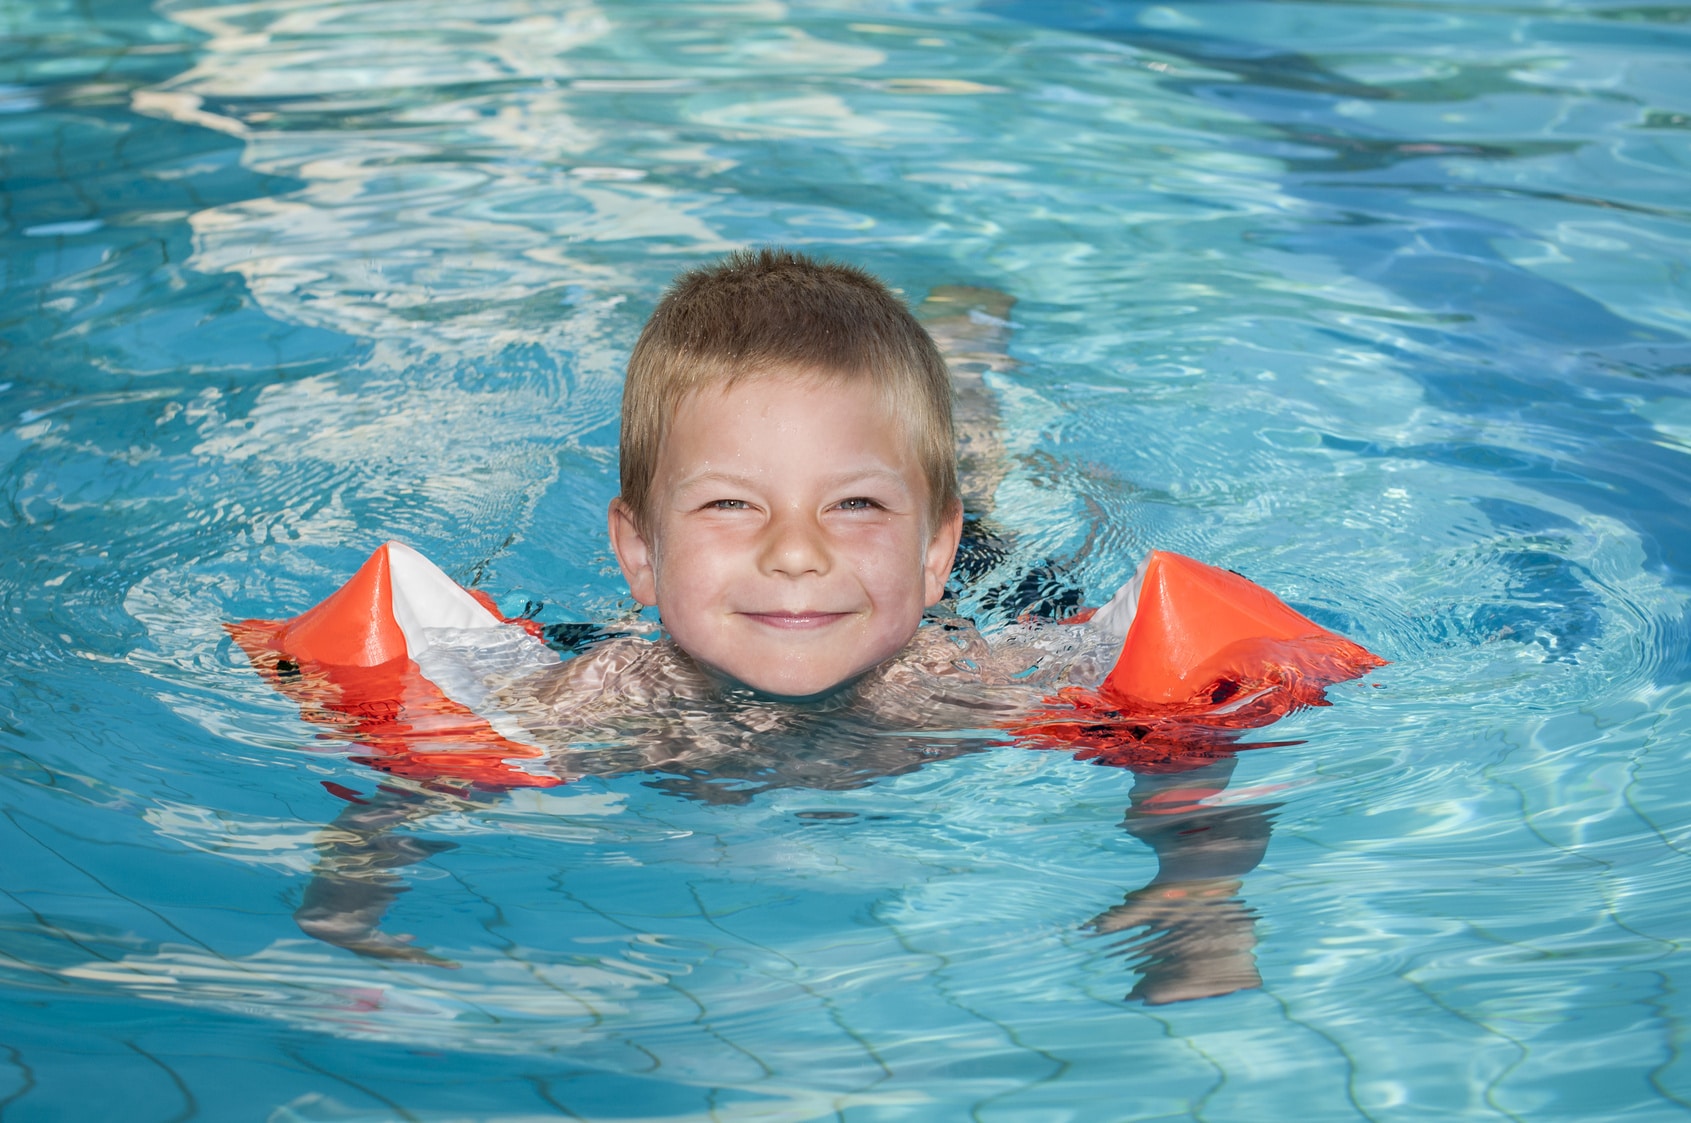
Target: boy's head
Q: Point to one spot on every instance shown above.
(772, 312)
(789, 488)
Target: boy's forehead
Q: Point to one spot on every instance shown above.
(763, 388)
(696, 415)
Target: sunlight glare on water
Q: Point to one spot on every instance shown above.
(1383, 305)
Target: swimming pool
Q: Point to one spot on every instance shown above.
(1382, 304)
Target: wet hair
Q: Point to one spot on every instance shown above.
(776, 313)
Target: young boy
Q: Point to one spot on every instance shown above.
(790, 504)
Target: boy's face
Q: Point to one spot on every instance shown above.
(789, 546)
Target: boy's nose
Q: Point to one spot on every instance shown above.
(795, 545)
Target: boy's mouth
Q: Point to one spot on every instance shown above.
(796, 621)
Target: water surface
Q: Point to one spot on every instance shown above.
(1382, 304)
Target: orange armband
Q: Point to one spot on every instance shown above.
(1205, 654)
(351, 664)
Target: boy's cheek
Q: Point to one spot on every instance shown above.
(691, 572)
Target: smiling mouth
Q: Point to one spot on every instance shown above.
(797, 621)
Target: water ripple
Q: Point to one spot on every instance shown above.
(1380, 305)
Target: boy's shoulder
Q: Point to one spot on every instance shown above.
(612, 676)
(1028, 651)
(948, 663)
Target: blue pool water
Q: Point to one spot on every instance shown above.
(1386, 305)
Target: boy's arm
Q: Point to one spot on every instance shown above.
(582, 692)
(1190, 935)
(357, 875)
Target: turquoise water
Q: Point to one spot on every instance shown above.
(1382, 304)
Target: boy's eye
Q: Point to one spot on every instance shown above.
(859, 503)
(726, 505)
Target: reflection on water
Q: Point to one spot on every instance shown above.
(1380, 305)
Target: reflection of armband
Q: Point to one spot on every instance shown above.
(1205, 654)
(352, 664)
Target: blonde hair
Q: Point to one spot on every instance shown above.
(768, 312)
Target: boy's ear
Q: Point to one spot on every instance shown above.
(942, 551)
(634, 553)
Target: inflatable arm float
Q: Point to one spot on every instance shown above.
(1204, 653)
(359, 663)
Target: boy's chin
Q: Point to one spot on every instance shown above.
(784, 686)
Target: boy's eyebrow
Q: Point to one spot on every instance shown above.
(838, 479)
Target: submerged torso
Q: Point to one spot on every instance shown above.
(644, 705)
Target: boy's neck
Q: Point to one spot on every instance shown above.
(726, 688)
